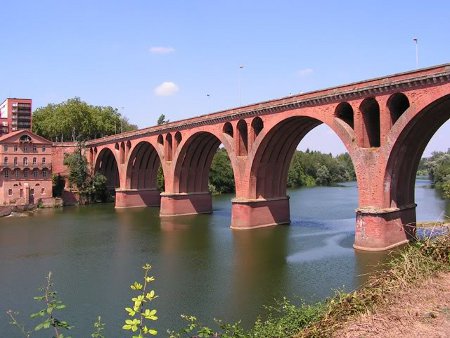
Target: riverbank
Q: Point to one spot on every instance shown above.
(53, 202)
(422, 310)
(409, 299)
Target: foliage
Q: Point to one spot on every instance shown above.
(306, 169)
(74, 120)
(58, 183)
(162, 120)
(91, 188)
(438, 168)
(285, 319)
(78, 167)
(99, 189)
(47, 314)
(139, 313)
(195, 328)
(99, 326)
(52, 304)
(221, 177)
(160, 179)
(313, 167)
(14, 322)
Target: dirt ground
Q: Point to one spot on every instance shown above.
(422, 311)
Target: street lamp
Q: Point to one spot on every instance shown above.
(239, 85)
(417, 52)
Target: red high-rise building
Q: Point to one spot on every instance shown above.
(15, 114)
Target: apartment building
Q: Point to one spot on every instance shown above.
(15, 114)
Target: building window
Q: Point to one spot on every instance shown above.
(44, 173)
(15, 161)
(42, 191)
(5, 160)
(25, 173)
(25, 149)
(34, 148)
(6, 173)
(43, 160)
(43, 149)
(5, 148)
(25, 161)
(35, 173)
(16, 173)
(34, 160)
(10, 192)
(15, 148)
(31, 192)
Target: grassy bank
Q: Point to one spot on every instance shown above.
(408, 268)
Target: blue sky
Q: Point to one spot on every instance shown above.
(183, 58)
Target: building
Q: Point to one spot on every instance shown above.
(25, 168)
(15, 114)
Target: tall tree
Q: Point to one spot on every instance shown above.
(74, 120)
(162, 120)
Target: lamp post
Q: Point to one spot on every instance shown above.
(209, 102)
(239, 85)
(417, 52)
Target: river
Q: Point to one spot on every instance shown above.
(201, 267)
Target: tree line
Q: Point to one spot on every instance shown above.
(75, 120)
(307, 168)
(437, 168)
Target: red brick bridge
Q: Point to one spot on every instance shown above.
(384, 123)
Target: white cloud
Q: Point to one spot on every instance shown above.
(305, 72)
(166, 89)
(161, 50)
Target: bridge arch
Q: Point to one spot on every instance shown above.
(106, 164)
(397, 105)
(344, 112)
(142, 167)
(370, 113)
(270, 165)
(191, 173)
(410, 143)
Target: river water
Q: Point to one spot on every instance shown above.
(201, 267)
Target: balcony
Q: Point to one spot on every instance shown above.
(25, 166)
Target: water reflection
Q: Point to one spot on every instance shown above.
(259, 264)
(201, 266)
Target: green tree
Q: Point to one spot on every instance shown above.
(92, 188)
(58, 183)
(74, 119)
(438, 168)
(221, 177)
(323, 176)
(78, 168)
(162, 120)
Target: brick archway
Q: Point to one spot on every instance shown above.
(265, 201)
(408, 149)
(272, 159)
(140, 177)
(106, 164)
(189, 193)
(142, 167)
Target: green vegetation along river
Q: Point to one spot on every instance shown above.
(201, 267)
